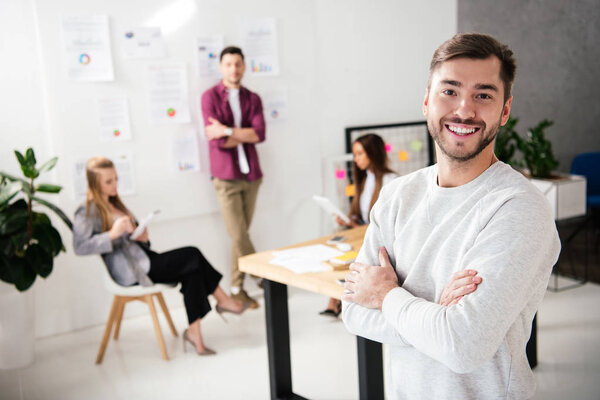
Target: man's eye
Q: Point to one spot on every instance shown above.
(448, 92)
(484, 96)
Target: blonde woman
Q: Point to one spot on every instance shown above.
(103, 226)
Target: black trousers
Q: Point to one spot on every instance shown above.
(187, 266)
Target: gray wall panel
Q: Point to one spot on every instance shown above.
(558, 56)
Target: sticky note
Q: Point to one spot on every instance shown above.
(388, 147)
(403, 155)
(350, 190)
(340, 174)
(416, 145)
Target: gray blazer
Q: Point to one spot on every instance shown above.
(125, 259)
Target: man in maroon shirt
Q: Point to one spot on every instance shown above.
(234, 123)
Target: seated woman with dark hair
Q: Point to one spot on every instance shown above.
(103, 226)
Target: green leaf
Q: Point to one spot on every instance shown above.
(28, 171)
(4, 270)
(13, 219)
(41, 218)
(8, 192)
(22, 274)
(13, 178)
(26, 187)
(30, 157)
(48, 165)
(40, 260)
(57, 210)
(21, 159)
(48, 188)
(48, 238)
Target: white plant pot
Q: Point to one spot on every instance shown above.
(17, 340)
(566, 194)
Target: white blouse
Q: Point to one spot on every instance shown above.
(367, 194)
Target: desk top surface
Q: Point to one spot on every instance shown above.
(324, 283)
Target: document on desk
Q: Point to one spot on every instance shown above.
(305, 259)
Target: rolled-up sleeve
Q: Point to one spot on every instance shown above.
(257, 121)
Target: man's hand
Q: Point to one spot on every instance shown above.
(367, 285)
(461, 284)
(215, 130)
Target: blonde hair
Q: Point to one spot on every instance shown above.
(94, 195)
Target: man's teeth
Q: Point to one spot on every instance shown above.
(461, 131)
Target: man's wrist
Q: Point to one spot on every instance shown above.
(228, 131)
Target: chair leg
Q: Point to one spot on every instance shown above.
(118, 318)
(111, 319)
(159, 336)
(165, 310)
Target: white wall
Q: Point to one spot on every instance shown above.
(345, 63)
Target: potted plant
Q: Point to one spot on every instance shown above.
(28, 245)
(565, 193)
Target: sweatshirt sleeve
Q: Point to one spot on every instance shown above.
(366, 322)
(513, 253)
(85, 241)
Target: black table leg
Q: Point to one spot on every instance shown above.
(370, 369)
(278, 340)
(531, 348)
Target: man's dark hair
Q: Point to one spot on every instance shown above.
(477, 46)
(231, 50)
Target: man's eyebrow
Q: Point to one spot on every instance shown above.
(486, 86)
(451, 82)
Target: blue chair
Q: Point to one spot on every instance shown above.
(588, 165)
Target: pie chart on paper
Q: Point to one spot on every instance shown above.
(171, 112)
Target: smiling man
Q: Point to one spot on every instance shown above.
(467, 212)
(234, 124)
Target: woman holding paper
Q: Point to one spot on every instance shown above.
(371, 173)
(103, 226)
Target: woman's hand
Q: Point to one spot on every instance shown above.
(341, 222)
(143, 237)
(122, 224)
(461, 284)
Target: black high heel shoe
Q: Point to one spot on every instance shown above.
(186, 340)
(222, 310)
(328, 312)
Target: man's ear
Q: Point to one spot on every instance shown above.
(506, 111)
(426, 102)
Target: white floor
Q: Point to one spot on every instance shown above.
(324, 362)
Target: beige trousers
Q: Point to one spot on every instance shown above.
(237, 199)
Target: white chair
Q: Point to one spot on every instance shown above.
(125, 294)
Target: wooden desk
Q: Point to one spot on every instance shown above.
(370, 366)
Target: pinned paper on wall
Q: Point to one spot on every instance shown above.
(208, 50)
(388, 147)
(403, 155)
(340, 174)
(143, 42)
(350, 190)
(113, 117)
(416, 145)
(184, 150)
(123, 164)
(168, 101)
(259, 42)
(86, 47)
(275, 104)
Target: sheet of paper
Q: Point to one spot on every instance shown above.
(140, 228)
(208, 50)
(329, 207)
(275, 104)
(168, 98)
(259, 43)
(184, 150)
(86, 47)
(113, 117)
(143, 42)
(79, 178)
(124, 166)
(306, 258)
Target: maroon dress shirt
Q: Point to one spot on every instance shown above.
(224, 163)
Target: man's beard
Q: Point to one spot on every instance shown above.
(486, 136)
